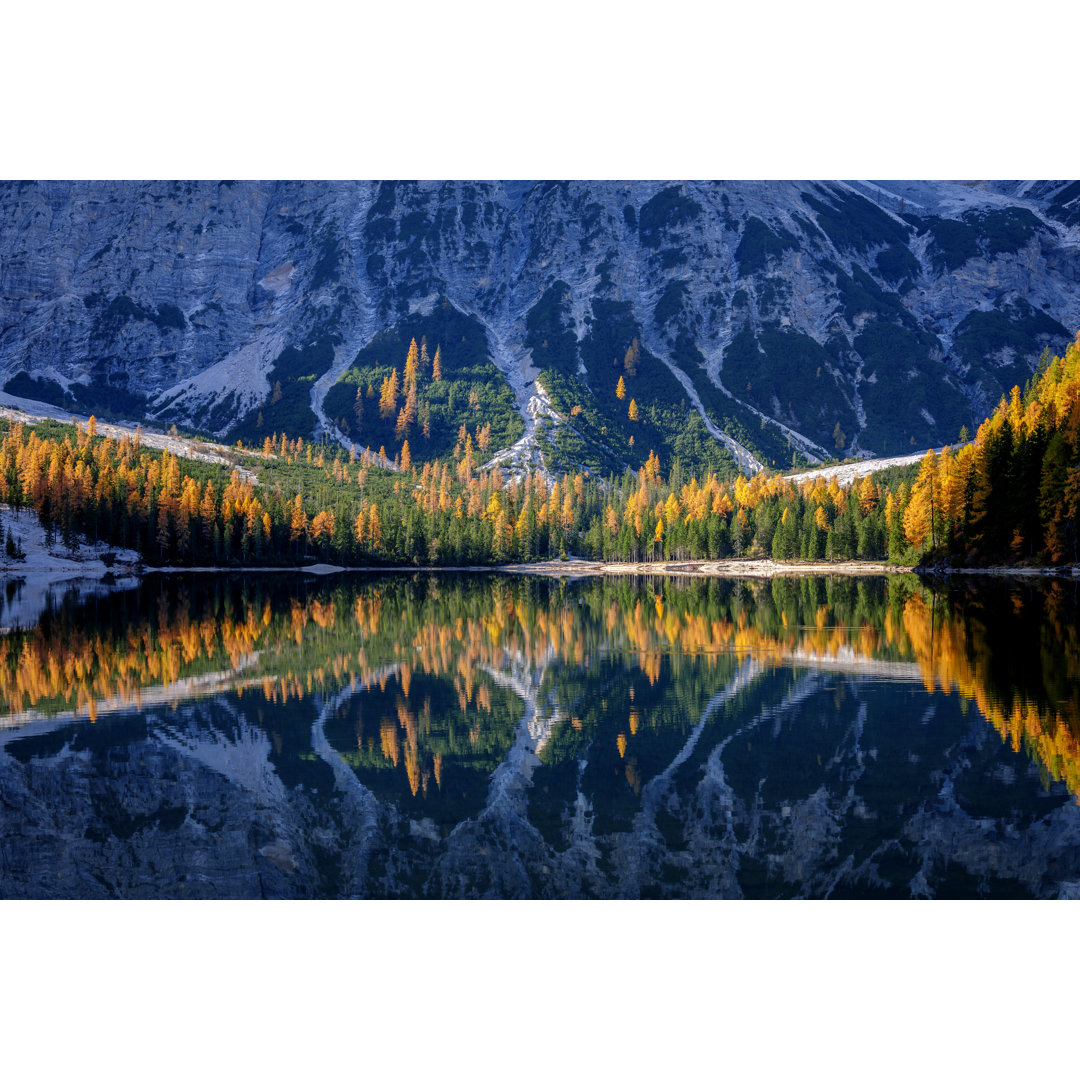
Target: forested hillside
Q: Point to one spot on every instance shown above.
(1010, 495)
(1013, 494)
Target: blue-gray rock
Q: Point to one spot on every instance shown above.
(893, 312)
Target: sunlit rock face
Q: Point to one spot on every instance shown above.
(866, 317)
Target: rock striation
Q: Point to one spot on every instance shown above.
(865, 317)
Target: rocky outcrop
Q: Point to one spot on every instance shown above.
(859, 315)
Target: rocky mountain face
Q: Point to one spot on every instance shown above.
(821, 318)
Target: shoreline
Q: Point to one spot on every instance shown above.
(94, 570)
(719, 568)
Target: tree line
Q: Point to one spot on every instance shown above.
(1013, 493)
(1010, 494)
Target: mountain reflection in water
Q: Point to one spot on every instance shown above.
(486, 735)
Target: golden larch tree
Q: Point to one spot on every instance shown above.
(374, 528)
(388, 395)
(920, 517)
(412, 363)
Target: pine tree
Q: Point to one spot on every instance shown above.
(620, 389)
(633, 411)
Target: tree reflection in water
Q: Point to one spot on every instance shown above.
(520, 736)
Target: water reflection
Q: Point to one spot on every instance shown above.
(490, 735)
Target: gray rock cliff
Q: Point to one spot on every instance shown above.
(865, 317)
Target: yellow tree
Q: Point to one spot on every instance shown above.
(620, 390)
(567, 516)
(298, 521)
(671, 509)
(412, 361)
(950, 491)
(374, 528)
(633, 411)
(388, 395)
(322, 525)
(610, 520)
(652, 464)
(406, 456)
(189, 508)
(208, 511)
(483, 437)
(412, 407)
(436, 365)
(170, 481)
(921, 515)
(867, 494)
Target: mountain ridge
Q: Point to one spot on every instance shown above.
(791, 317)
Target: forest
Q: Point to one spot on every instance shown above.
(1009, 495)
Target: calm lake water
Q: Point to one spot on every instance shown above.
(484, 735)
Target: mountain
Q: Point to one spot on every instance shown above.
(746, 319)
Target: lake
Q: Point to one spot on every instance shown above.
(488, 735)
